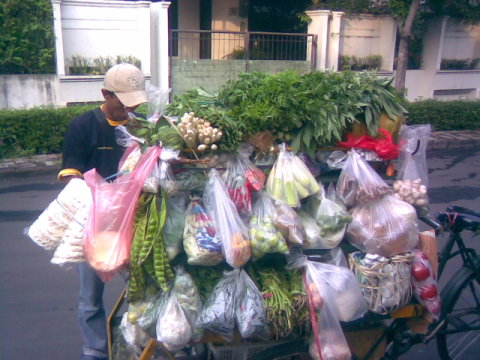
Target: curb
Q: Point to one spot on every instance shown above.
(51, 164)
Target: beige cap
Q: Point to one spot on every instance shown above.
(128, 83)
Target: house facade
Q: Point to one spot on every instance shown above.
(190, 43)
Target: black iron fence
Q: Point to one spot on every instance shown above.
(221, 45)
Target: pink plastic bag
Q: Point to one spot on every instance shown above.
(109, 228)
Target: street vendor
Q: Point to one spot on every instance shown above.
(90, 143)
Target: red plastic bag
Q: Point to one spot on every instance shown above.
(109, 228)
(384, 146)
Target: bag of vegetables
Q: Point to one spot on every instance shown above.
(289, 223)
(329, 339)
(359, 182)
(219, 311)
(264, 235)
(108, 232)
(386, 226)
(425, 287)
(174, 226)
(200, 241)
(167, 179)
(173, 328)
(231, 230)
(331, 218)
(241, 177)
(290, 180)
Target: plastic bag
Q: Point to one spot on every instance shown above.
(332, 195)
(109, 230)
(50, 227)
(167, 179)
(173, 328)
(231, 230)
(219, 311)
(188, 297)
(359, 183)
(425, 287)
(152, 182)
(312, 230)
(383, 146)
(157, 99)
(241, 177)
(191, 180)
(330, 217)
(414, 140)
(134, 336)
(250, 309)
(174, 226)
(124, 138)
(264, 236)
(385, 282)
(148, 319)
(289, 224)
(200, 240)
(290, 180)
(130, 158)
(386, 227)
(329, 335)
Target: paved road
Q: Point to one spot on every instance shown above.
(38, 300)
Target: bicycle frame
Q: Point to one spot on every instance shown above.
(468, 254)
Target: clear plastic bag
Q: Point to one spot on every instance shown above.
(200, 240)
(241, 177)
(386, 227)
(124, 138)
(152, 182)
(250, 309)
(414, 140)
(264, 236)
(148, 319)
(108, 234)
(312, 230)
(289, 223)
(231, 230)
(425, 287)
(157, 99)
(173, 328)
(167, 179)
(330, 217)
(219, 311)
(130, 158)
(359, 183)
(174, 226)
(134, 336)
(188, 297)
(50, 227)
(290, 180)
(332, 195)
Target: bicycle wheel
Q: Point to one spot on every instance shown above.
(459, 337)
(296, 350)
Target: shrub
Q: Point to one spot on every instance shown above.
(35, 131)
(445, 115)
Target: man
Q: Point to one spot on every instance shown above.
(90, 143)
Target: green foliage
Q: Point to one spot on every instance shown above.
(311, 109)
(81, 65)
(371, 62)
(26, 37)
(459, 64)
(445, 115)
(35, 131)
(348, 6)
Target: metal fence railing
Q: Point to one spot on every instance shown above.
(221, 45)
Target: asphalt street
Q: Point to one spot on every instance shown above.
(38, 300)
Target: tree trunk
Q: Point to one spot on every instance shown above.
(405, 30)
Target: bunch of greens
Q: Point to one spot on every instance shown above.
(312, 110)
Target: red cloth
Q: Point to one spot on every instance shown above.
(384, 146)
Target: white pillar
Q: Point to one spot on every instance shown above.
(159, 47)
(334, 41)
(57, 26)
(144, 36)
(319, 26)
(388, 37)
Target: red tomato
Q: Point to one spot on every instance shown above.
(428, 292)
(419, 271)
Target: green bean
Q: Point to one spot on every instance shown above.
(150, 232)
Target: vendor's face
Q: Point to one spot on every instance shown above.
(114, 109)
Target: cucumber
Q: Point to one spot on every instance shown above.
(301, 190)
(291, 196)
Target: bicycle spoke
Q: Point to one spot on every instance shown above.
(466, 347)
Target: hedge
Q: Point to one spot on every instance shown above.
(41, 130)
(445, 115)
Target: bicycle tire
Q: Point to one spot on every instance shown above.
(299, 349)
(461, 306)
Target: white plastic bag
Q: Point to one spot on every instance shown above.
(387, 226)
(230, 229)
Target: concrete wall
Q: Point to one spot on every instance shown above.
(19, 91)
(212, 74)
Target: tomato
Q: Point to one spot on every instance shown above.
(428, 292)
(421, 255)
(419, 271)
